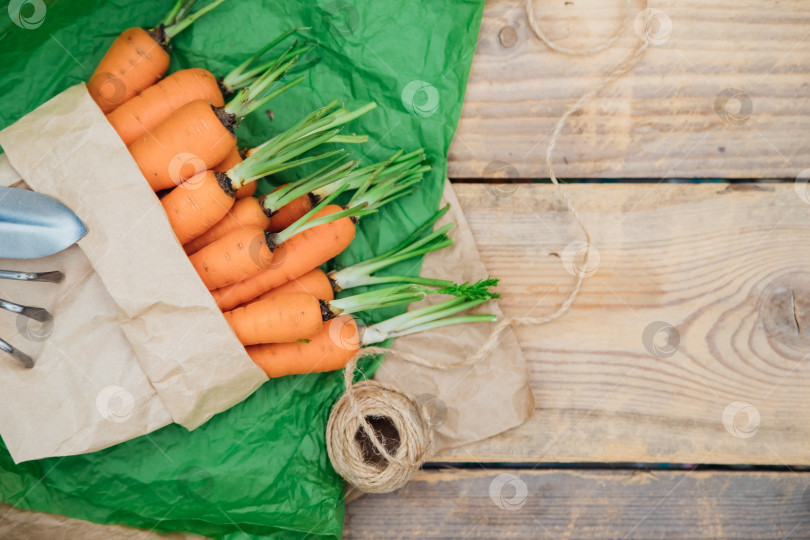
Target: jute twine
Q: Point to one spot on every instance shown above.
(350, 418)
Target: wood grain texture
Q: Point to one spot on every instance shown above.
(662, 120)
(16, 524)
(717, 276)
(587, 504)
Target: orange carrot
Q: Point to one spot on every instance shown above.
(283, 319)
(250, 211)
(262, 212)
(235, 158)
(238, 255)
(277, 155)
(246, 191)
(198, 136)
(144, 112)
(196, 205)
(191, 140)
(138, 58)
(294, 258)
(328, 350)
(246, 212)
(314, 282)
(290, 213)
(133, 63)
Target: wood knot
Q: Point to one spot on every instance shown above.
(508, 37)
(784, 308)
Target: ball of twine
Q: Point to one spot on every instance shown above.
(359, 451)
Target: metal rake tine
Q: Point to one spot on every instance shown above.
(50, 277)
(26, 361)
(36, 313)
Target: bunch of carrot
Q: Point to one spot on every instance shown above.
(261, 257)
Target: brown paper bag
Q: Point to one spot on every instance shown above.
(137, 340)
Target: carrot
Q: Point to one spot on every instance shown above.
(138, 58)
(244, 213)
(144, 112)
(235, 158)
(257, 212)
(201, 195)
(288, 203)
(340, 338)
(238, 255)
(133, 63)
(191, 140)
(292, 259)
(289, 213)
(328, 350)
(324, 286)
(293, 316)
(198, 136)
(276, 155)
(305, 250)
(207, 261)
(246, 191)
(285, 318)
(314, 282)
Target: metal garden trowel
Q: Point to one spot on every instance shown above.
(33, 225)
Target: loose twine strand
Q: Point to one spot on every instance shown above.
(372, 399)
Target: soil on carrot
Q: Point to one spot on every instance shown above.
(335, 288)
(225, 183)
(228, 120)
(326, 313)
(158, 33)
(270, 239)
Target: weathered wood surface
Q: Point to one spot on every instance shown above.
(16, 524)
(718, 277)
(587, 504)
(724, 96)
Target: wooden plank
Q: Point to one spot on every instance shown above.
(16, 524)
(587, 504)
(659, 121)
(727, 269)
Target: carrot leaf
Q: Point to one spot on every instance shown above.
(425, 318)
(180, 20)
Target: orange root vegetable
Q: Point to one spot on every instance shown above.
(196, 205)
(245, 213)
(236, 256)
(290, 213)
(246, 191)
(285, 318)
(314, 282)
(235, 158)
(198, 136)
(328, 350)
(134, 62)
(294, 258)
(144, 112)
(191, 140)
